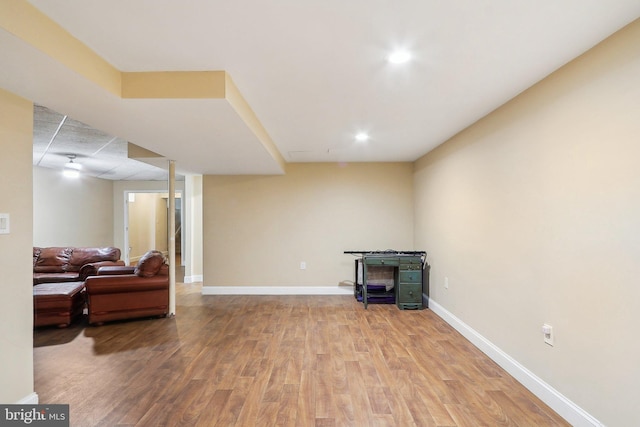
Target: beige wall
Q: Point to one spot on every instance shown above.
(257, 229)
(16, 324)
(161, 224)
(533, 215)
(147, 224)
(71, 212)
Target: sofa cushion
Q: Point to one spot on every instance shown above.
(150, 263)
(39, 278)
(82, 256)
(115, 270)
(52, 260)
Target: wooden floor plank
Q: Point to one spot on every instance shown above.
(278, 360)
(306, 414)
(485, 409)
(358, 392)
(206, 414)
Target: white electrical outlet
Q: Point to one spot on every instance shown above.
(4, 223)
(303, 265)
(547, 331)
(446, 283)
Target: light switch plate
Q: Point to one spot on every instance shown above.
(547, 331)
(4, 223)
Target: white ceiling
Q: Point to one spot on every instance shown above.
(314, 71)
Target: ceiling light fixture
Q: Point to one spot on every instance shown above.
(362, 137)
(399, 57)
(72, 170)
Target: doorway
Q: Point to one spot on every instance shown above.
(147, 224)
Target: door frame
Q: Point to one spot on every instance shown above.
(179, 194)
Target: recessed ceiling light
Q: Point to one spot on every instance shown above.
(362, 137)
(399, 57)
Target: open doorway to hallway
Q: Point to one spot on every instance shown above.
(147, 225)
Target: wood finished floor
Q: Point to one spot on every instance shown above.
(278, 361)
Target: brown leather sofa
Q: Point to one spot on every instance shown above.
(117, 293)
(69, 264)
(58, 281)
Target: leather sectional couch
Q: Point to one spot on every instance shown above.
(69, 264)
(58, 280)
(95, 278)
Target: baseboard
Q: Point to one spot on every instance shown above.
(193, 279)
(31, 399)
(552, 397)
(425, 300)
(276, 290)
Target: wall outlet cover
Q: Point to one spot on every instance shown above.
(4, 223)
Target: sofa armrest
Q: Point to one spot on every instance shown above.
(91, 269)
(115, 270)
(113, 284)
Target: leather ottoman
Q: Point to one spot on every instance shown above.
(57, 303)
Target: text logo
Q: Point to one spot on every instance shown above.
(34, 415)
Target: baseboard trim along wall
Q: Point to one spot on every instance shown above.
(193, 279)
(557, 401)
(276, 290)
(31, 399)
